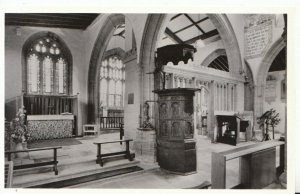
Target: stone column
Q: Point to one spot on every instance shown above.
(211, 111)
(283, 177)
(228, 97)
(171, 80)
(258, 111)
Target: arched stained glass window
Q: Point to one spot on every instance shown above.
(112, 82)
(47, 68)
(47, 75)
(33, 74)
(61, 78)
(103, 93)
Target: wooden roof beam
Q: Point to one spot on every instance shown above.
(174, 17)
(173, 36)
(194, 23)
(202, 36)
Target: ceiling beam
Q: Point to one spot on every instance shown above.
(217, 65)
(54, 20)
(191, 25)
(41, 24)
(173, 36)
(120, 34)
(202, 36)
(175, 16)
(193, 22)
(224, 59)
(46, 21)
(223, 66)
(53, 16)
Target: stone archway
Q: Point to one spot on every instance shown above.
(248, 89)
(262, 75)
(212, 56)
(230, 42)
(99, 49)
(152, 30)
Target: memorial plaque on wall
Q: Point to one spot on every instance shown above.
(130, 98)
(270, 91)
(258, 34)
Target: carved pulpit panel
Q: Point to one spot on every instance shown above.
(175, 143)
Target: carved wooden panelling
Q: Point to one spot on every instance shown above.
(175, 143)
(163, 128)
(188, 130)
(175, 109)
(176, 115)
(175, 129)
(163, 110)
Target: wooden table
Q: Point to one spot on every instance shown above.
(100, 156)
(257, 164)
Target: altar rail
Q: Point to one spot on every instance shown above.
(111, 122)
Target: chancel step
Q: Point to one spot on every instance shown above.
(88, 178)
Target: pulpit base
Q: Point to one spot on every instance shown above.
(177, 157)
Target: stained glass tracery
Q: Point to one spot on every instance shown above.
(47, 68)
(112, 82)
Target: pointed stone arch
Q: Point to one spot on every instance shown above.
(264, 67)
(152, 29)
(212, 56)
(98, 53)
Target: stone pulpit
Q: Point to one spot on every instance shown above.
(176, 146)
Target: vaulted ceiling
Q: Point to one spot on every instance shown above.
(54, 20)
(189, 28)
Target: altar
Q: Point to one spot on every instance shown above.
(50, 126)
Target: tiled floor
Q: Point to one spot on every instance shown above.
(81, 159)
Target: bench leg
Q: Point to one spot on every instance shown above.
(99, 159)
(55, 169)
(121, 138)
(55, 162)
(128, 151)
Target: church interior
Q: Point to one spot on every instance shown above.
(188, 101)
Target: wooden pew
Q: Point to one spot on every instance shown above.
(52, 162)
(125, 153)
(257, 164)
(8, 174)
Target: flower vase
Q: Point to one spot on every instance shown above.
(18, 147)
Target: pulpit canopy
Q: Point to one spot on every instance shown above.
(175, 53)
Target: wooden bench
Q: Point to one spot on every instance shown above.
(257, 164)
(100, 156)
(8, 174)
(53, 162)
(121, 132)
